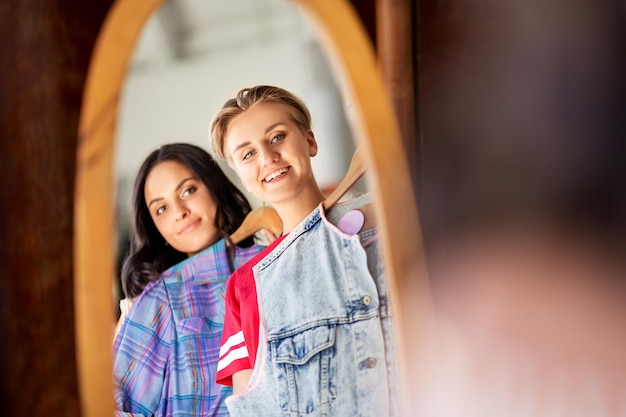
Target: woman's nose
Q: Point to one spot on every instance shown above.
(181, 211)
(269, 156)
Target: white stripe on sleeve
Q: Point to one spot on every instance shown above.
(233, 340)
(232, 356)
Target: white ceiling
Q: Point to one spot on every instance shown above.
(189, 29)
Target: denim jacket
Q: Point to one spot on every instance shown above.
(325, 344)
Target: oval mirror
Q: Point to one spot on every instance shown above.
(109, 89)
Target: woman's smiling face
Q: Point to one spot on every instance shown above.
(181, 207)
(270, 154)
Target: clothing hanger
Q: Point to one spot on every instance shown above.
(259, 218)
(357, 168)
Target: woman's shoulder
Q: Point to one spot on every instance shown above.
(244, 255)
(252, 256)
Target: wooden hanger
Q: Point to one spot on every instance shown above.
(357, 168)
(259, 218)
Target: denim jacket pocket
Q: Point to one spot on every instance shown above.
(306, 369)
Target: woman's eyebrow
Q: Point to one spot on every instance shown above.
(241, 145)
(180, 184)
(154, 200)
(271, 127)
(178, 187)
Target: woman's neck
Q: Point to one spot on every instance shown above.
(292, 212)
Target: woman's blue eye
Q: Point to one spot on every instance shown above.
(248, 155)
(277, 138)
(160, 210)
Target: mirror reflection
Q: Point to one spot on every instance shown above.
(209, 318)
(193, 55)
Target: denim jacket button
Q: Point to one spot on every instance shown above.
(371, 362)
(366, 300)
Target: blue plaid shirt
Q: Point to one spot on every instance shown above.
(165, 354)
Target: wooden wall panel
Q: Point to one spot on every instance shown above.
(397, 52)
(366, 10)
(45, 48)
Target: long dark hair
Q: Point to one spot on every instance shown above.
(149, 255)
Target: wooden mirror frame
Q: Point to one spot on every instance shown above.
(373, 122)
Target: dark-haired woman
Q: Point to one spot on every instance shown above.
(166, 349)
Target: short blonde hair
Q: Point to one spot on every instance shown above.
(245, 99)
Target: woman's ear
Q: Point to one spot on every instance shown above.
(310, 138)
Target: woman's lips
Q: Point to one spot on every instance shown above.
(189, 227)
